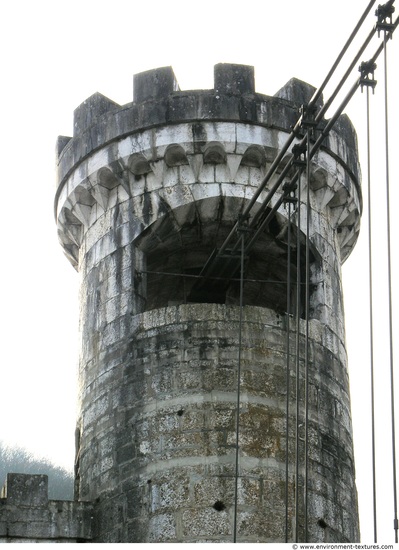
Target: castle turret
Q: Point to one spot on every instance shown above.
(146, 193)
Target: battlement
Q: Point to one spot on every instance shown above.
(137, 146)
(27, 515)
(158, 100)
(157, 85)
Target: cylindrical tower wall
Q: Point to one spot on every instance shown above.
(146, 193)
(160, 425)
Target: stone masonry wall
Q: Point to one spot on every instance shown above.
(26, 514)
(159, 431)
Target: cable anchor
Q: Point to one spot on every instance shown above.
(306, 120)
(289, 196)
(299, 152)
(308, 123)
(242, 225)
(308, 113)
(366, 70)
(384, 18)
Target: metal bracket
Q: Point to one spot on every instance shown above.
(384, 15)
(367, 69)
(308, 113)
(289, 189)
(299, 152)
(242, 226)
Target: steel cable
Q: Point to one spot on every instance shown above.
(288, 366)
(371, 322)
(389, 267)
(239, 386)
(277, 161)
(297, 371)
(307, 313)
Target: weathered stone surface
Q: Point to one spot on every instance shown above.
(154, 84)
(169, 433)
(90, 110)
(26, 514)
(234, 79)
(146, 193)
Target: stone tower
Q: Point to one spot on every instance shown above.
(146, 193)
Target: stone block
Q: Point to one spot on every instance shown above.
(211, 490)
(154, 84)
(205, 523)
(3, 526)
(298, 92)
(27, 490)
(234, 79)
(61, 143)
(90, 110)
(169, 492)
(162, 528)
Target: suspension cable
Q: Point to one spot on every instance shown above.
(232, 279)
(276, 163)
(323, 133)
(307, 313)
(318, 92)
(371, 316)
(394, 482)
(287, 402)
(239, 385)
(297, 370)
(316, 146)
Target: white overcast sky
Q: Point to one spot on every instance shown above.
(56, 54)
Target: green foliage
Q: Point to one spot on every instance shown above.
(19, 461)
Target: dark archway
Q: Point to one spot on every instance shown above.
(178, 246)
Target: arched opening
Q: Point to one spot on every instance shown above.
(176, 254)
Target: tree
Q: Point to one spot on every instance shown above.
(17, 460)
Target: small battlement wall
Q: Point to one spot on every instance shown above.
(158, 100)
(27, 515)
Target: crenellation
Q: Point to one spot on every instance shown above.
(154, 84)
(61, 143)
(90, 110)
(234, 79)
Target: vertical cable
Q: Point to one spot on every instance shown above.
(307, 303)
(287, 404)
(371, 319)
(390, 290)
(239, 385)
(297, 374)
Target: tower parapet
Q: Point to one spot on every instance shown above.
(100, 123)
(146, 192)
